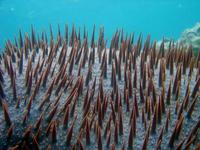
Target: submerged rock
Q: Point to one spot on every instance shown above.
(191, 37)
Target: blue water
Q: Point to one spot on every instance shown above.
(160, 18)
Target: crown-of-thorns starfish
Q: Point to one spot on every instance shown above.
(67, 92)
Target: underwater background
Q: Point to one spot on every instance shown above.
(160, 18)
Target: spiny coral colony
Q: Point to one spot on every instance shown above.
(77, 94)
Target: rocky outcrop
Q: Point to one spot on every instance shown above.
(191, 36)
